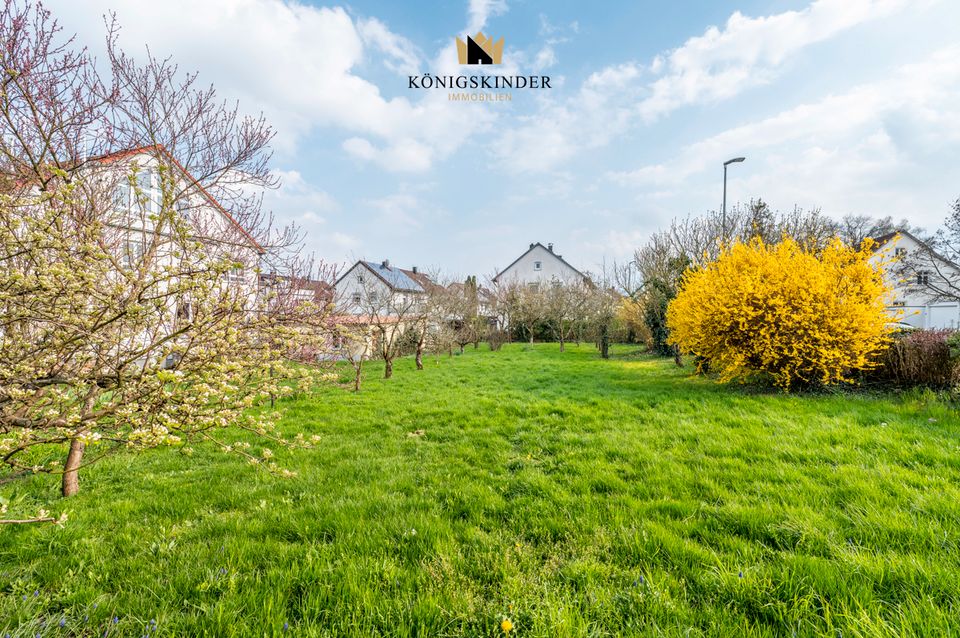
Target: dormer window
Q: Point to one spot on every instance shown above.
(899, 252)
(538, 265)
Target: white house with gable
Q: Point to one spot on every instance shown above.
(539, 265)
(914, 276)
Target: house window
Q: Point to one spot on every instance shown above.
(185, 312)
(236, 275)
(538, 265)
(359, 278)
(356, 297)
(145, 185)
(899, 304)
(121, 197)
(899, 252)
(923, 277)
(132, 253)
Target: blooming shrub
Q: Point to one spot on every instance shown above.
(783, 313)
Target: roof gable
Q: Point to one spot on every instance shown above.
(546, 250)
(161, 150)
(883, 240)
(396, 279)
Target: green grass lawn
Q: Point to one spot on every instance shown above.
(572, 495)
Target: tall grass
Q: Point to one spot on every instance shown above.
(572, 495)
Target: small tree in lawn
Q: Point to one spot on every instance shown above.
(525, 306)
(601, 307)
(123, 325)
(563, 305)
(389, 316)
(429, 314)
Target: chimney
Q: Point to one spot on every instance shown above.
(531, 246)
(385, 263)
(550, 247)
(414, 269)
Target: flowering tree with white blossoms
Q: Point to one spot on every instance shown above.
(130, 316)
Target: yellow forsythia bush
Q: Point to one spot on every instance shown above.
(783, 313)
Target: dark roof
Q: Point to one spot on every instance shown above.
(421, 278)
(161, 149)
(532, 246)
(396, 279)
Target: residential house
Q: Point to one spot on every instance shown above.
(539, 265)
(376, 301)
(296, 289)
(918, 275)
(208, 221)
(379, 287)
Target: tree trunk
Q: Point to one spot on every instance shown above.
(420, 355)
(604, 346)
(561, 341)
(387, 368)
(356, 379)
(70, 483)
(676, 357)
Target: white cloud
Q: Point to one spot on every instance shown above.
(867, 150)
(298, 200)
(926, 93)
(561, 129)
(716, 65)
(299, 64)
(748, 51)
(402, 56)
(482, 10)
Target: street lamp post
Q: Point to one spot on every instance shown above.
(724, 208)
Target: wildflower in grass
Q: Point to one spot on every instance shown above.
(506, 625)
(740, 574)
(285, 626)
(63, 621)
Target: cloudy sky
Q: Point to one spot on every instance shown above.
(852, 106)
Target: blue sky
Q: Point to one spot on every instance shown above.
(852, 106)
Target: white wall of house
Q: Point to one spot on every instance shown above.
(210, 225)
(911, 303)
(352, 289)
(539, 265)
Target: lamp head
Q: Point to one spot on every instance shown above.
(735, 159)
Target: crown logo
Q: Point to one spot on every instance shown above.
(479, 49)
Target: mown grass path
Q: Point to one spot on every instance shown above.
(576, 496)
